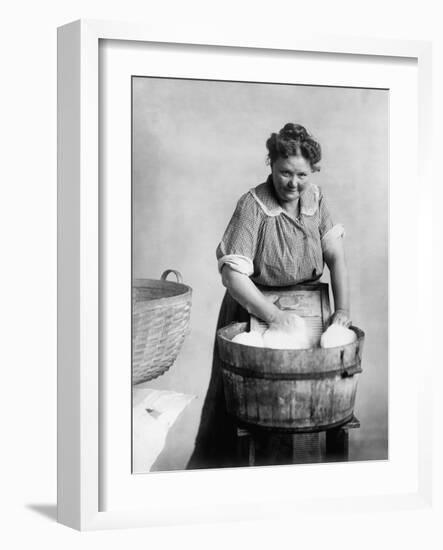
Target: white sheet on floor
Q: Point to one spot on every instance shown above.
(154, 412)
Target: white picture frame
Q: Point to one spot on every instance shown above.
(79, 390)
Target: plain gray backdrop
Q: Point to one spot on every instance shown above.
(197, 147)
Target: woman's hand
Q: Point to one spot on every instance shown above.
(286, 321)
(244, 291)
(340, 317)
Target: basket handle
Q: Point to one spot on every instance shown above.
(176, 273)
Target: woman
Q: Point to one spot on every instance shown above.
(280, 234)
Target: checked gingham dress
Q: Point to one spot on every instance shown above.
(274, 250)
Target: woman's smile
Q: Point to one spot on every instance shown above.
(292, 189)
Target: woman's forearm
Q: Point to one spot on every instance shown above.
(244, 291)
(340, 283)
(334, 255)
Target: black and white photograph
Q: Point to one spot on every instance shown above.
(221, 287)
(259, 274)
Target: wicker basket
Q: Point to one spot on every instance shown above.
(160, 321)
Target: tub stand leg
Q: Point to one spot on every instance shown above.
(337, 444)
(245, 447)
(251, 452)
(337, 441)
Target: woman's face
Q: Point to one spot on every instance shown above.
(290, 176)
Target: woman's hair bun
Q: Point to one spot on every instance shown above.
(294, 131)
(293, 139)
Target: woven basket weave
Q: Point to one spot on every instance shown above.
(161, 311)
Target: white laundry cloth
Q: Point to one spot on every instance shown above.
(295, 337)
(252, 338)
(153, 414)
(337, 335)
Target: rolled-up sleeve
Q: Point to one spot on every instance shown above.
(331, 234)
(325, 219)
(238, 245)
(333, 239)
